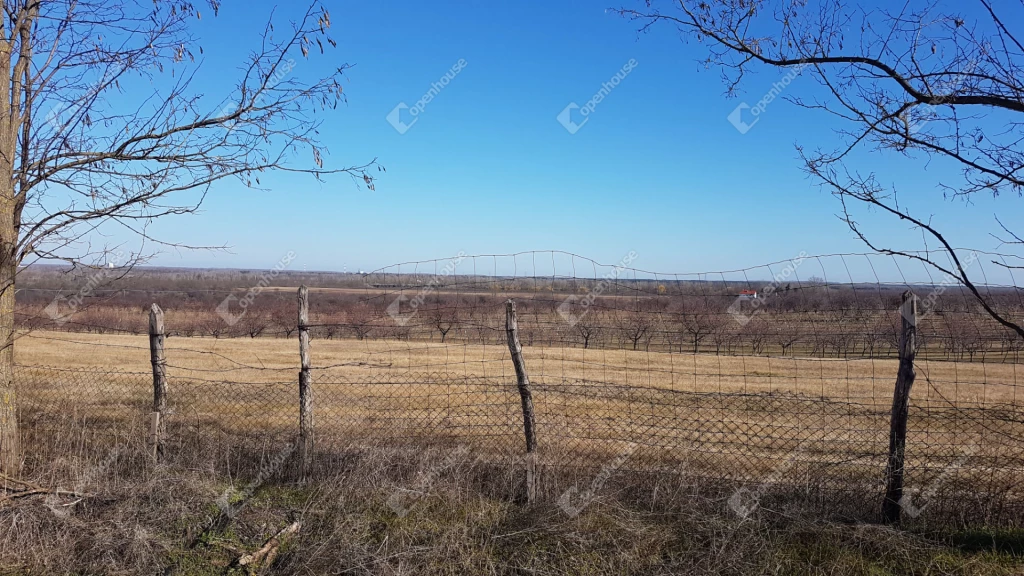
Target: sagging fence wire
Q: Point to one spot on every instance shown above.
(751, 378)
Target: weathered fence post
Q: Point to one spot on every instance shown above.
(900, 408)
(305, 389)
(156, 356)
(523, 382)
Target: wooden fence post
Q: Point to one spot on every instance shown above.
(900, 407)
(523, 382)
(305, 389)
(156, 356)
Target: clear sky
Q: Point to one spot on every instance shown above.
(488, 168)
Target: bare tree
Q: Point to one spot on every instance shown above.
(362, 319)
(919, 79)
(284, 319)
(785, 334)
(444, 317)
(635, 325)
(100, 127)
(723, 335)
(1011, 345)
(255, 322)
(588, 327)
(697, 322)
(214, 326)
(889, 329)
(756, 333)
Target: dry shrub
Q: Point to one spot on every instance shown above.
(458, 514)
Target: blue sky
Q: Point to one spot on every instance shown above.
(487, 168)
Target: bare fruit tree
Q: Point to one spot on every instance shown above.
(697, 321)
(101, 128)
(363, 319)
(932, 81)
(636, 325)
(589, 327)
(444, 317)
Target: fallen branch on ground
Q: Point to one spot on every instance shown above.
(39, 490)
(268, 551)
(4, 479)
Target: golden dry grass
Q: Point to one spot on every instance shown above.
(349, 360)
(820, 418)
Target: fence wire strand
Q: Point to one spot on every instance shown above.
(781, 374)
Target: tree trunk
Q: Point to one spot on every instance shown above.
(10, 449)
(14, 70)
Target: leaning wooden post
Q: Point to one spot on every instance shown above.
(900, 408)
(305, 390)
(156, 357)
(523, 382)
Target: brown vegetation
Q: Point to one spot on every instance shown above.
(839, 321)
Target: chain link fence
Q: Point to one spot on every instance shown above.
(779, 390)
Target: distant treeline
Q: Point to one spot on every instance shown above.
(809, 318)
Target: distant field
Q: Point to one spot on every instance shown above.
(860, 380)
(813, 319)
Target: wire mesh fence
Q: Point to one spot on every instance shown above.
(777, 380)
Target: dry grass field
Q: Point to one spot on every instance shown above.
(351, 360)
(808, 435)
(736, 416)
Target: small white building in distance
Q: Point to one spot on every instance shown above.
(747, 295)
